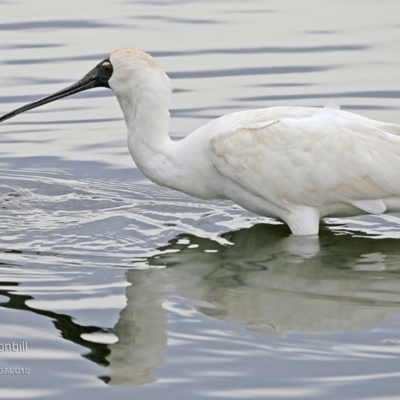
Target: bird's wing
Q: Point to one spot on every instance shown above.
(325, 157)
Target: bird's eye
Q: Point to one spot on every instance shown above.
(107, 67)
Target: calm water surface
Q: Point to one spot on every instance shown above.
(122, 289)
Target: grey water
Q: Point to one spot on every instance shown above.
(121, 289)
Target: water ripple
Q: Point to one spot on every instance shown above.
(94, 222)
(263, 50)
(53, 25)
(248, 71)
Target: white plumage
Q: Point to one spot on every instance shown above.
(294, 163)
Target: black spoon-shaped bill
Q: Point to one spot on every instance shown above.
(97, 77)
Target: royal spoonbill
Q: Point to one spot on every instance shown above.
(297, 164)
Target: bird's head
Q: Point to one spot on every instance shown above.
(125, 71)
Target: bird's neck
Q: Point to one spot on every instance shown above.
(147, 119)
(180, 165)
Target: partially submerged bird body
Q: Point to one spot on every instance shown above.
(297, 164)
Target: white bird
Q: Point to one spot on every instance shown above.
(296, 164)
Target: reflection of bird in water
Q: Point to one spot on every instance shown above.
(142, 331)
(265, 280)
(296, 164)
(292, 284)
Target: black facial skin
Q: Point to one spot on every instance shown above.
(97, 77)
